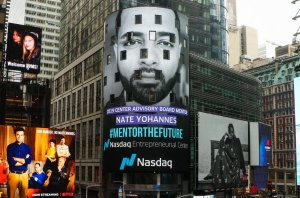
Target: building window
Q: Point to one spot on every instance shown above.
(123, 55)
(97, 175)
(158, 19)
(158, 74)
(112, 40)
(77, 173)
(90, 173)
(172, 38)
(144, 53)
(152, 35)
(172, 97)
(105, 80)
(117, 77)
(166, 54)
(138, 19)
(83, 173)
(129, 96)
(152, 96)
(112, 98)
(108, 59)
(91, 98)
(137, 74)
(98, 95)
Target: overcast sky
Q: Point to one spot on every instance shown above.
(272, 19)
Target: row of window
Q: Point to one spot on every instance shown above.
(88, 173)
(278, 89)
(85, 101)
(91, 67)
(82, 17)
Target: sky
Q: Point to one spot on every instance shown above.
(272, 19)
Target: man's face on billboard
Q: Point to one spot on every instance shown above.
(37, 168)
(148, 52)
(20, 136)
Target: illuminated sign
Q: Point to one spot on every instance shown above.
(23, 48)
(223, 150)
(265, 149)
(49, 161)
(146, 91)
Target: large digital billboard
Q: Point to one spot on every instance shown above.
(146, 91)
(37, 162)
(223, 150)
(260, 144)
(23, 50)
(297, 123)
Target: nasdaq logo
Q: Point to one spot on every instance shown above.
(106, 144)
(127, 161)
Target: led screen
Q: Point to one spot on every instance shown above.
(43, 157)
(297, 122)
(265, 149)
(260, 176)
(222, 150)
(23, 48)
(146, 91)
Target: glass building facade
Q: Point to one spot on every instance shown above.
(77, 88)
(218, 90)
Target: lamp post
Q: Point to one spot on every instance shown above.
(123, 190)
(86, 189)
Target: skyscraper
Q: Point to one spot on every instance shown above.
(77, 94)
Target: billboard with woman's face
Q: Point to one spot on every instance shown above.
(146, 90)
(23, 50)
(44, 157)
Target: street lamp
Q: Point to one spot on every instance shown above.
(123, 190)
(86, 189)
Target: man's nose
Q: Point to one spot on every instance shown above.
(149, 54)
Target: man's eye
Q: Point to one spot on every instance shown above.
(132, 43)
(165, 44)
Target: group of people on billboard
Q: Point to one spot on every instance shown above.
(30, 178)
(23, 48)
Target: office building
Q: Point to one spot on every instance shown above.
(77, 87)
(278, 111)
(267, 50)
(243, 42)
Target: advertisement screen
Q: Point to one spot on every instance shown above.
(260, 176)
(37, 162)
(265, 149)
(146, 90)
(297, 123)
(23, 51)
(223, 150)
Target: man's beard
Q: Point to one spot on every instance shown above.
(140, 92)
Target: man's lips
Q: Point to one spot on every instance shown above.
(147, 78)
